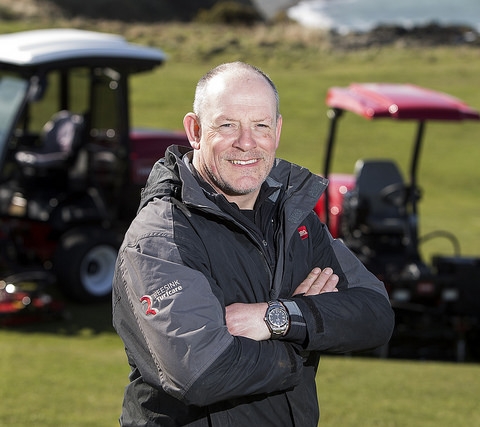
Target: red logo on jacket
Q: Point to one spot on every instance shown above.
(302, 230)
(149, 310)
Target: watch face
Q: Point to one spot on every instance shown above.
(278, 317)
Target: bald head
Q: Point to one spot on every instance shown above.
(221, 74)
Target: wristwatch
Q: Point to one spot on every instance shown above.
(277, 319)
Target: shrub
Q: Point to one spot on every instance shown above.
(229, 12)
(7, 15)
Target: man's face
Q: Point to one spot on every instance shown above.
(238, 136)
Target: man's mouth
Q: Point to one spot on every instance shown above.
(244, 162)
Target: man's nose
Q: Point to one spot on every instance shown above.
(245, 140)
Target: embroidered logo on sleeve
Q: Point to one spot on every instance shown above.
(149, 310)
(302, 230)
(160, 294)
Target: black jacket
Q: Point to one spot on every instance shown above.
(186, 256)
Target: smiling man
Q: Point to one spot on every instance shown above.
(228, 287)
(234, 132)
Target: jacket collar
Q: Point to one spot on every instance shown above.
(172, 176)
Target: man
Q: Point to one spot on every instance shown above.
(228, 287)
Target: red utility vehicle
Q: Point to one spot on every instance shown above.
(71, 168)
(375, 212)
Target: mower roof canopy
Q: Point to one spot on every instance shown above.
(399, 101)
(57, 47)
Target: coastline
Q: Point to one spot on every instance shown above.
(363, 16)
(428, 35)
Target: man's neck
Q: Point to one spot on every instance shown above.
(243, 201)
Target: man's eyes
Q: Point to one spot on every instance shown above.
(233, 126)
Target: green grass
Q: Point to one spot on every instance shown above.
(63, 373)
(365, 392)
(72, 373)
(53, 380)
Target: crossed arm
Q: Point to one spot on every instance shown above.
(247, 319)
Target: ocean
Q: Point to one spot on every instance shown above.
(363, 15)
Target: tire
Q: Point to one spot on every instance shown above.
(84, 263)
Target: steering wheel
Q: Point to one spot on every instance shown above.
(398, 193)
(395, 194)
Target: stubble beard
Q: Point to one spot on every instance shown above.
(229, 187)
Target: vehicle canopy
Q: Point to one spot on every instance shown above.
(56, 47)
(395, 101)
(43, 72)
(398, 101)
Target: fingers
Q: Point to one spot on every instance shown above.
(318, 281)
(326, 282)
(308, 282)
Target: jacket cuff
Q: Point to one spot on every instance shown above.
(297, 333)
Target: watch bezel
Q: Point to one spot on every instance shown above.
(277, 329)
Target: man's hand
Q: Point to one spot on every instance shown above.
(317, 282)
(247, 320)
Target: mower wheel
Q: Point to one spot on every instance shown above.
(84, 263)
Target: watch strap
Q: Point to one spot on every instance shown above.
(297, 332)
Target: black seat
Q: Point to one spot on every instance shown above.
(60, 139)
(381, 197)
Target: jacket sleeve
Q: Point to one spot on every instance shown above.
(184, 345)
(359, 316)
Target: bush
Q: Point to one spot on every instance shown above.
(7, 14)
(229, 12)
(122, 10)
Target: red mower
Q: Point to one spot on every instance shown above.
(375, 212)
(71, 167)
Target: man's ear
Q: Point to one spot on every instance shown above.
(278, 130)
(192, 129)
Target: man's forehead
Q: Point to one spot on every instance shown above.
(240, 79)
(240, 108)
(251, 116)
(244, 91)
